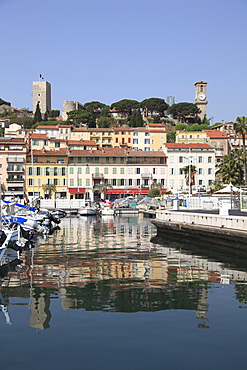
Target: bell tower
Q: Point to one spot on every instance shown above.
(201, 98)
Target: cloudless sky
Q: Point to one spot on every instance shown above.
(108, 50)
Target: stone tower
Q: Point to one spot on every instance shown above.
(42, 95)
(201, 98)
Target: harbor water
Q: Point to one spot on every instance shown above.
(106, 293)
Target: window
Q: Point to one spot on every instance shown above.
(154, 171)
(135, 141)
(146, 141)
(200, 159)
(138, 170)
(135, 133)
(47, 171)
(79, 170)
(114, 182)
(35, 142)
(180, 159)
(122, 182)
(30, 181)
(71, 182)
(146, 133)
(87, 170)
(210, 171)
(130, 182)
(63, 171)
(60, 159)
(147, 149)
(106, 170)
(138, 182)
(200, 171)
(87, 182)
(48, 160)
(38, 171)
(71, 170)
(56, 182)
(57, 144)
(138, 160)
(116, 139)
(45, 142)
(172, 171)
(210, 160)
(114, 171)
(171, 159)
(122, 171)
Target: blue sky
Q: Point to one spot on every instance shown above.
(108, 50)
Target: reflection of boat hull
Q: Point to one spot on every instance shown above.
(107, 211)
(87, 211)
(125, 211)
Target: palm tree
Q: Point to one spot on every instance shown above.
(240, 126)
(51, 188)
(103, 186)
(189, 172)
(157, 185)
(231, 168)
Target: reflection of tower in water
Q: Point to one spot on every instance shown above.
(40, 312)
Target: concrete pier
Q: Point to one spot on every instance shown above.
(225, 230)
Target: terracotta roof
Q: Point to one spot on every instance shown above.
(116, 152)
(156, 125)
(187, 146)
(47, 127)
(81, 142)
(65, 126)
(55, 139)
(60, 152)
(216, 134)
(33, 135)
(12, 140)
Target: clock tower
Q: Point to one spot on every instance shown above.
(201, 98)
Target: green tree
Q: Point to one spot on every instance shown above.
(105, 122)
(171, 137)
(54, 113)
(197, 127)
(181, 110)
(50, 188)
(37, 114)
(189, 172)
(4, 102)
(181, 127)
(103, 186)
(79, 117)
(231, 168)
(125, 106)
(95, 106)
(155, 105)
(46, 117)
(240, 127)
(135, 120)
(154, 192)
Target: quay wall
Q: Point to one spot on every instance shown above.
(208, 229)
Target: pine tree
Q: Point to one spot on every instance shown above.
(37, 114)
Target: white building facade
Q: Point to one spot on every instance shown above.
(180, 155)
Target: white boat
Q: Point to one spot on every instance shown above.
(88, 210)
(107, 211)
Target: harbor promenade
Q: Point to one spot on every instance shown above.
(210, 226)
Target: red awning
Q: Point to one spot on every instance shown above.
(127, 191)
(77, 190)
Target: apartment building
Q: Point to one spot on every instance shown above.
(127, 171)
(12, 165)
(46, 167)
(180, 155)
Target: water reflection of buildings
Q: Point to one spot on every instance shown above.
(113, 266)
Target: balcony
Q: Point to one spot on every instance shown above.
(97, 175)
(15, 170)
(15, 159)
(15, 180)
(146, 175)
